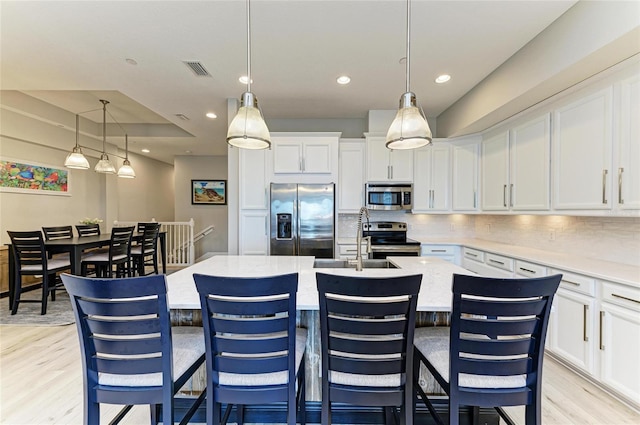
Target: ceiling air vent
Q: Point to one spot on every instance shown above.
(182, 117)
(197, 68)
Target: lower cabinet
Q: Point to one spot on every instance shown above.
(254, 236)
(448, 253)
(349, 251)
(486, 264)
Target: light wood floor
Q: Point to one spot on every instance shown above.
(41, 383)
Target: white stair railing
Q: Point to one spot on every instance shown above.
(179, 239)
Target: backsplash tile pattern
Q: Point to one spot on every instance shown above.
(615, 239)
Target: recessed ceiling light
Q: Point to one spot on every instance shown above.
(211, 115)
(244, 79)
(131, 61)
(343, 79)
(443, 78)
(146, 150)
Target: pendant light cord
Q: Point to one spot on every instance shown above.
(104, 125)
(408, 42)
(248, 46)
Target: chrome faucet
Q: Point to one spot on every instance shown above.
(359, 238)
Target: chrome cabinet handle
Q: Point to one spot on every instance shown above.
(604, 186)
(438, 250)
(496, 261)
(585, 311)
(475, 198)
(391, 167)
(468, 254)
(573, 283)
(504, 195)
(303, 164)
(625, 298)
(511, 195)
(526, 270)
(601, 322)
(620, 200)
(389, 172)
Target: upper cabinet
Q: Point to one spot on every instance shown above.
(464, 174)
(386, 165)
(515, 168)
(303, 154)
(351, 177)
(628, 173)
(582, 152)
(431, 180)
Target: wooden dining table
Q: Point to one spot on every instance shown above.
(76, 246)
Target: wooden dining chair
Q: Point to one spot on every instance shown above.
(130, 353)
(88, 229)
(255, 353)
(30, 258)
(118, 255)
(492, 355)
(57, 232)
(366, 329)
(146, 252)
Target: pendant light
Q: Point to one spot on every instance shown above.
(248, 129)
(104, 165)
(409, 129)
(126, 171)
(76, 158)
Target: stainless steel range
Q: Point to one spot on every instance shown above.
(389, 238)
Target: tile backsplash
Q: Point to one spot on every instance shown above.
(615, 239)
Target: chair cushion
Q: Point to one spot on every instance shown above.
(137, 250)
(273, 378)
(433, 343)
(188, 346)
(52, 264)
(101, 257)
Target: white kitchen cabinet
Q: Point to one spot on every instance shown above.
(487, 264)
(628, 178)
(495, 172)
(582, 148)
(448, 253)
(431, 178)
(253, 182)
(302, 155)
(464, 175)
(619, 339)
(350, 251)
(386, 165)
(254, 233)
(572, 325)
(516, 168)
(351, 175)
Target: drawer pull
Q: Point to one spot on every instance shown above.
(438, 250)
(496, 261)
(573, 283)
(625, 298)
(585, 312)
(601, 321)
(468, 254)
(527, 270)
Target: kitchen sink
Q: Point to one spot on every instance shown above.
(330, 263)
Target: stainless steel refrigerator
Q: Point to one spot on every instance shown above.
(302, 219)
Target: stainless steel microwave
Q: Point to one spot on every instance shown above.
(385, 196)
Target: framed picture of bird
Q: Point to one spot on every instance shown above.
(31, 177)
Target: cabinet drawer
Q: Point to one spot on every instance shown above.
(499, 261)
(577, 283)
(348, 249)
(438, 250)
(473, 254)
(526, 269)
(622, 295)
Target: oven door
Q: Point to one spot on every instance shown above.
(384, 251)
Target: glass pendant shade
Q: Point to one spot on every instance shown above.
(104, 165)
(409, 129)
(248, 129)
(126, 171)
(76, 160)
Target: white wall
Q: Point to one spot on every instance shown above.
(189, 168)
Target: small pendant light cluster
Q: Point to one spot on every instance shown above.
(77, 160)
(248, 129)
(409, 129)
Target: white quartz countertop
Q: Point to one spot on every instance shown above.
(435, 292)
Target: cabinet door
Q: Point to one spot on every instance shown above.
(254, 233)
(287, 157)
(440, 178)
(401, 165)
(464, 185)
(495, 173)
(422, 180)
(582, 146)
(351, 177)
(530, 146)
(619, 348)
(316, 157)
(253, 181)
(378, 168)
(573, 328)
(628, 196)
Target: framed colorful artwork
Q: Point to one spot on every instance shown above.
(34, 178)
(209, 192)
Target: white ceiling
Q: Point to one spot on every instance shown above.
(72, 53)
